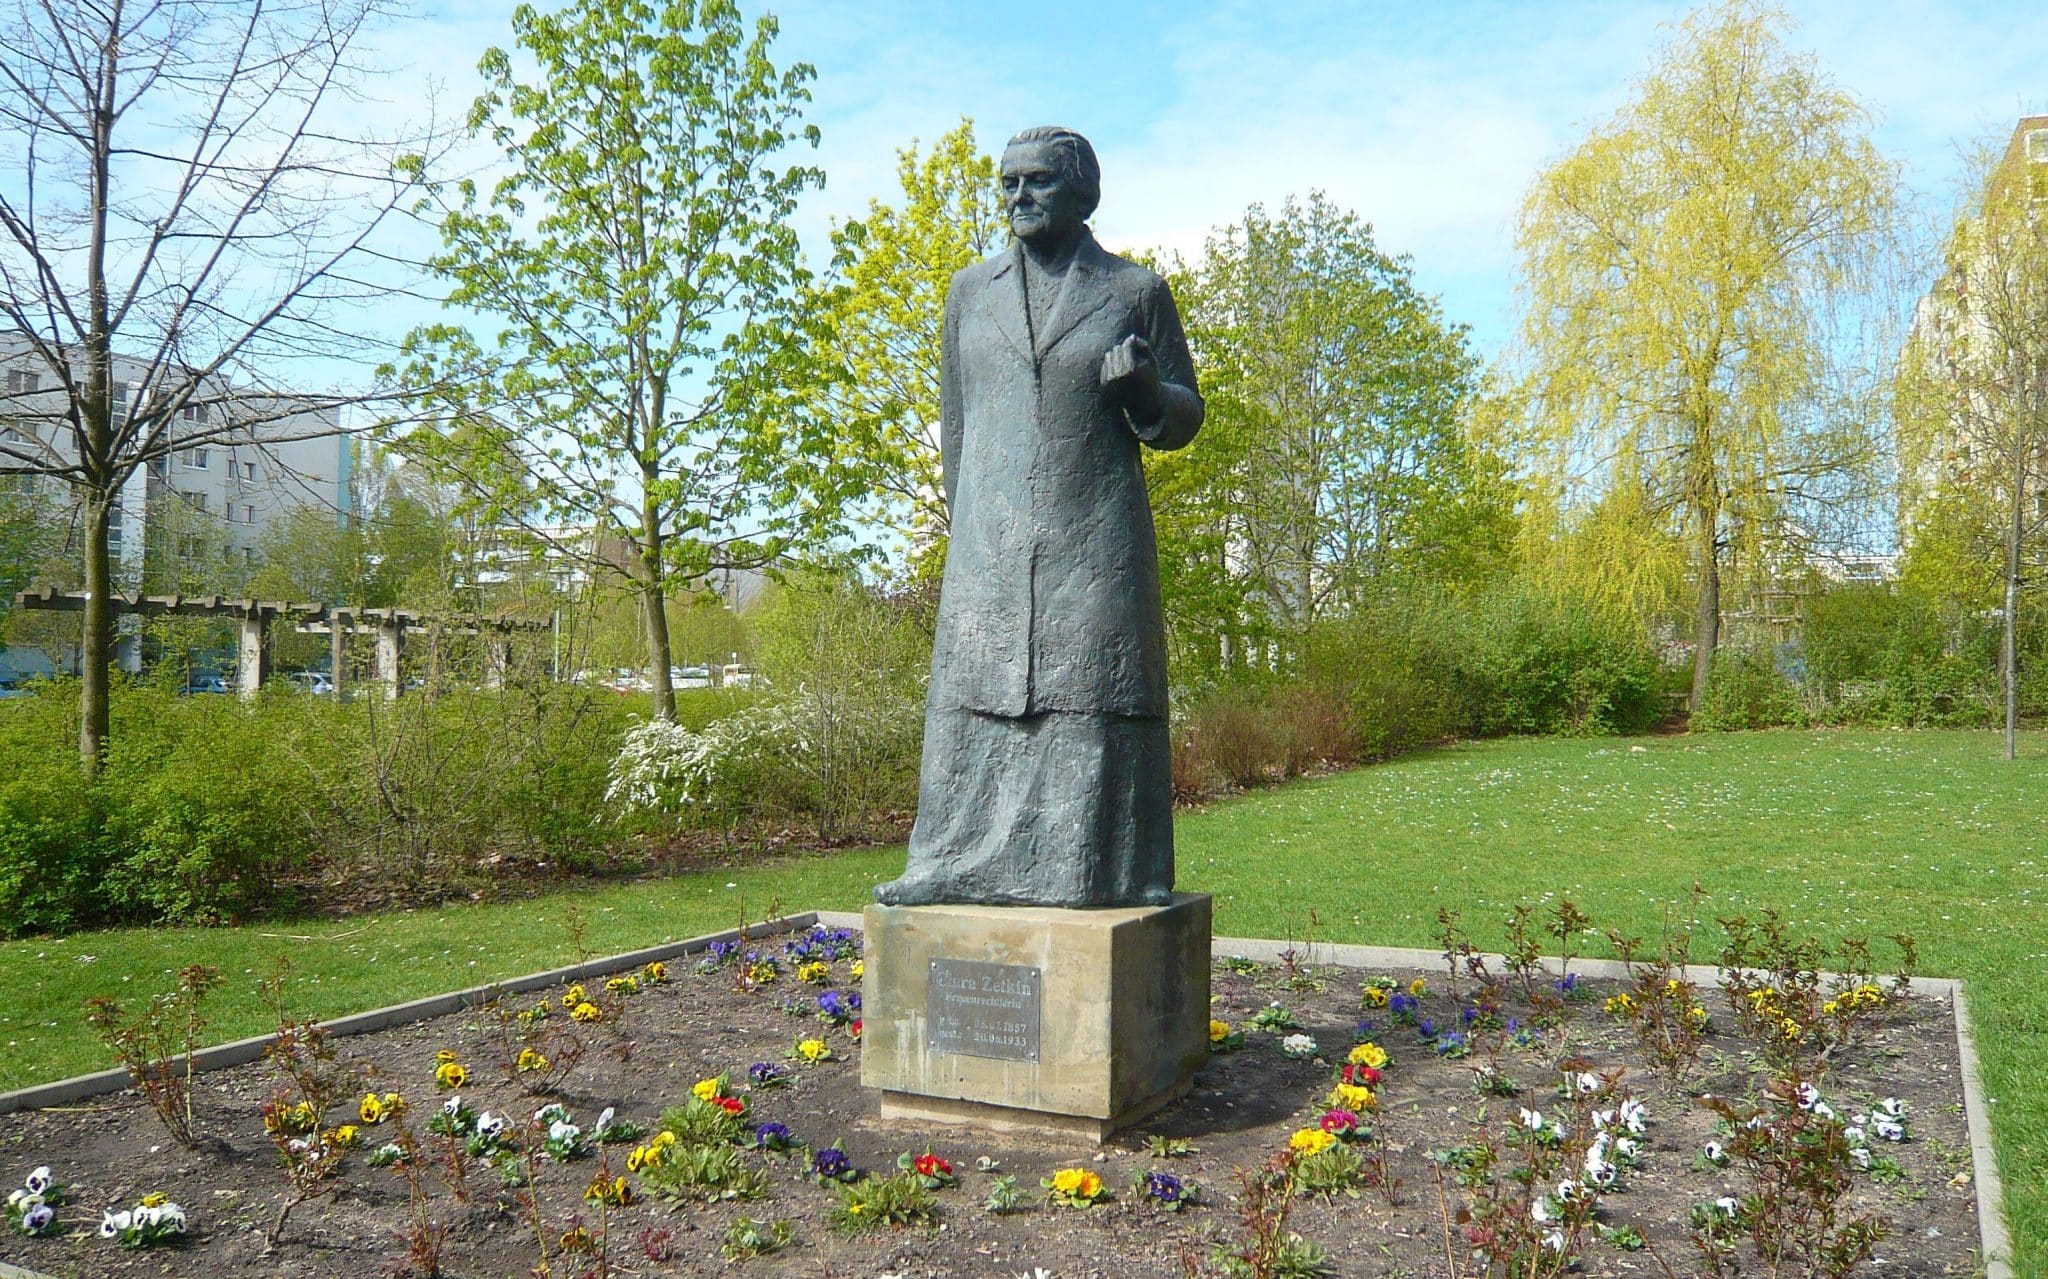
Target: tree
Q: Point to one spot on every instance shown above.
(1333, 457)
(1699, 275)
(1973, 404)
(186, 207)
(882, 308)
(638, 263)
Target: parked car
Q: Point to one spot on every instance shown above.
(689, 676)
(737, 676)
(311, 682)
(13, 688)
(207, 684)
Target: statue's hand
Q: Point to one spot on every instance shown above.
(1130, 376)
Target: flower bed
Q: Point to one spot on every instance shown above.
(666, 1119)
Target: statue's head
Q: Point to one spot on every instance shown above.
(1051, 183)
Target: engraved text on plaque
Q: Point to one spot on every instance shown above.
(983, 1010)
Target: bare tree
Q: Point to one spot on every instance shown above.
(190, 205)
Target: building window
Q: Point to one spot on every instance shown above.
(23, 382)
(192, 412)
(197, 501)
(196, 459)
(249, 470)
(248, 555)
(2037, 146)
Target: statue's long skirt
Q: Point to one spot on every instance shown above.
(1056, 809)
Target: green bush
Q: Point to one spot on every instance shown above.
(208, 808)
(54, 849)
(1746, 691)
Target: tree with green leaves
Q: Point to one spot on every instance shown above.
(1333, 457)
(881, 310)
(1700, 274)
(638, 265)
(1973, 402)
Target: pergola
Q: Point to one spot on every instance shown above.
(389, 625)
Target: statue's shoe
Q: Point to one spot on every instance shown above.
(910, 891)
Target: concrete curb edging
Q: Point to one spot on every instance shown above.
(242, 1051)
(1994, 1242)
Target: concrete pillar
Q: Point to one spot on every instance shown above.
(390, 649)
(337, 656)
(497, 660)
(252, 656)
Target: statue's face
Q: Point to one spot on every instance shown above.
(1044, 201)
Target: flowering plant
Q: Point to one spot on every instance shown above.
(816, 972)
(655, 973)
(857, 970)
(651, 1155)
(1353, 1097)
(586, 1012)
(775, 1138)
(389, 1155)
(491, 1138)
(530, 1061)
(1299, 1047)
(1373, 996)
(853, 1028)
(1075, 1188)
(608, 1190)
(1358, 1075)
(32, 1209)
(457, 1119)
(1341, 1124)
(1310, 1141)
(153, 1221)
(931, 1171)
(832, 1165)
(376, 1109)
(1164, 1190)
(766, 1074)
(1404, 1008)
(449, 1072)
(837, 1008)
(623, 985)
(810, 1051)
(610, 1129)
(1367, 1054)
(1222, 1039)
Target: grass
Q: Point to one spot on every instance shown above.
(1867, 833)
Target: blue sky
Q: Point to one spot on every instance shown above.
(1429, 119)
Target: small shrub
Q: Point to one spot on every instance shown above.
(876, 1203)
(746, 1238)
(157, 1045)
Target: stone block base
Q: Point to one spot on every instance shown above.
(1069, 1023)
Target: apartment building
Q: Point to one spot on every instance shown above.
(211, 501)
(1953, 331)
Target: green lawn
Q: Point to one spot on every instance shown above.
(1871, 833)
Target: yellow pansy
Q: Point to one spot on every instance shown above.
(1368, 1054)
(1310, 1141)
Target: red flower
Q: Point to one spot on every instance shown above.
(932, 1166)
(1361, 1076)
(854, 1029)
(733, 1104)
(1341, 1123)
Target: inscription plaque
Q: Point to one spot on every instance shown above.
(982, 1010)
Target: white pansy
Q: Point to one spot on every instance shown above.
(1298, 1046)
(1532, 1119)
(39, 1181)
(604, 1118)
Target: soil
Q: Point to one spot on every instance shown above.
(1244, 1106)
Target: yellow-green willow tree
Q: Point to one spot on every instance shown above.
(1703, 276)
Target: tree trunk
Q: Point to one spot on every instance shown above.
(2009, 643)
(96, 638)
(1707, 617)
(654, 605)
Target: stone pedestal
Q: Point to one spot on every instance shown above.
(1071, 1023)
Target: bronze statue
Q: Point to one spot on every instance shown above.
(1046, 775)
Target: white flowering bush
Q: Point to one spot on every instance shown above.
(832, 758)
